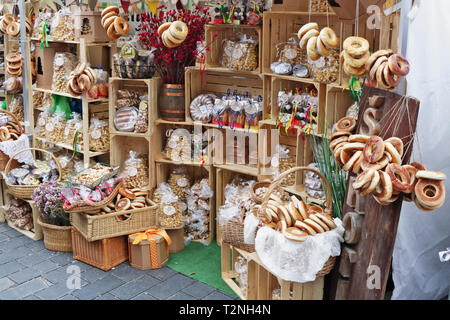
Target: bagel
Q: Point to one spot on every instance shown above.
(281, 226)
(356, 46)
(79, 69)
(311, 49)
(108, 22)
(329, 38)
(272, 215)
(315, 209)
(430, 193)
(127, 193)
(380, 77)
(293, 211)
(418, 165)
(327, 220)
(319, 221)
(84, 82)
(353, 147)
(111, 32)
(373, 184)
(178, 30)
(383, 190)
(398, 65)
(163, 28)
(305, 227)
(421, 207)
(396, 157)
(305, 39)
(166, 41)
(356, 63)
(169, 36)
(321, 48)
(374, 149)
(307, 27)
(285, 214)
(375, 67)
(337, 155)
(317, 228)
(335, 142)
(351, 162)
(295, 234)
(357, 166)
(399, 176)
(391, 79)
(110, 9)
(4, 134)
(121, 26)
(389, 201)
(379, 165)
(275, 198)
(358, 138)
(137, 205)
(13, 29)
(106, 17)
(431, 175)
(355, 72)
(346, 124)
(374, 57)
(412, 176)
(397, 143)
(302, 209)
(339, 134)
(363, 178)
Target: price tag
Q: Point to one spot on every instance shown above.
(169, 210)
(132, 171)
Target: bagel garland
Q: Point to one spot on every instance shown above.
(317, 44)
(114, 25)
(295, 219)
(355, 56)
(81, 79)
(380, 173)
(10, 25)
(173, 33)
(386, 67)
(14, 64)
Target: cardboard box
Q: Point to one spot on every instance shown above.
(150, 253)
(177, 237)
(88, 25)
(44, 63)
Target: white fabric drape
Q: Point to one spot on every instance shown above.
(417, 270)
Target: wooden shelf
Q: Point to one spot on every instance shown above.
(293, 78)
(129, 79)
(253, 171)
(181, 123)
(234, 72)
(182, 163)
(104, 100)
(129, 134)
(89, 44)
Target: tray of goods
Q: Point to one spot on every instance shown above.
(93, 176)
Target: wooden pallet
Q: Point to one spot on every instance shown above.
(260, 282)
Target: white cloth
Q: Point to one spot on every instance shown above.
(250, 224)
(297, 261)
(418, 272)
(11, 147)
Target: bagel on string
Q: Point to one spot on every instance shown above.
(329, 38)
(305, 28)
(399, 176)
(305, 39)
(121, 26)
(430, 193)
(178, 30)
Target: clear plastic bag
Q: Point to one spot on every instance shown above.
(62, 27)
(240, 53)
(38, 98)
(135, 171)
(169, 211)
(55, 127)
(179, 181)
(282, 161)
(98, 135)
(325, 69)
(41, 121)
(74, 127)
(236, 117)
(43, 17)
(142, 117)
(16, 107)
(290, 52)
(201, 107)
(100, 88)
(63, 65)
(125, 119)
(178, 147)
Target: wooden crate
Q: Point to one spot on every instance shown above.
(218, 83)
(196, 172)
(260, 282)
(338, 100)
(103, 254)
(215, 34)
(224, 177)
(146, 86)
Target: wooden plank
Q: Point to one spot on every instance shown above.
(264, 292)
(297, 291)
(318, 289)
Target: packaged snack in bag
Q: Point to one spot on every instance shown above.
(240, 53)
(38, 98)
(16, 107)
(135, 171)
(142, 117)
(54, 128)
(290, 52)
(220, 112)
(236, 117)
(43, 18)
(253, 113)
(178, 146)
(125, 119)
(169, 207)
(282, 161)
(325, 69)
(201, 107)
(62, 27)
(98, 135)
(74, 131)
(179, 181)
(63, 65)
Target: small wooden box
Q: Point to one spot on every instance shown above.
(140, 255)
(88, 25)
(103, 254)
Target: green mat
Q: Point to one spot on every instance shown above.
(201, 263)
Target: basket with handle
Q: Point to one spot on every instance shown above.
(3, 157)
(26, 192)
(328, 266)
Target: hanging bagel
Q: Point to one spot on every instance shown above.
(107, 16)
(163, 28)
(356, 46)
(374, 57)
(374, 149)
(347, 124)
(398, 65)
(307, 27)
(178, 30)
(108, 22)
(13, 29)
(430, 193)
(121, 26)
(305, 39)
(329, 38)
(111, 32)
(399, 176)
(109, 9)
(311, 48)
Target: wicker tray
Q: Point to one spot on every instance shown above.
(95, 183)
(26, 192)
(93, 207)
(109, 225)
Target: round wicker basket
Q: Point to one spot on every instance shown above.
(56, 238)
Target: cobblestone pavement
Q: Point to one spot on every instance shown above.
(29, 271)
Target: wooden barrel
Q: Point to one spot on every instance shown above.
(171, 102)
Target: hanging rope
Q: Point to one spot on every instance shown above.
(328, 18)
(357, 19)
(310, 10)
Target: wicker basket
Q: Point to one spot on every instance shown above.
(93, 207)
(97, 227)
(328, 266)
(56, 238)
(3, 157)
(233, 233)
(26, 192)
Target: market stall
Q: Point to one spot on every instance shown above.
(281, 133)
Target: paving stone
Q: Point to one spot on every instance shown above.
(14, 254)
(36, 246)
(94, 274)
(5, 283)
(170, 286)
(24, 275)
(198, 290)
(3, 237)
(63, 259)
(45, 266)
(161, 274)
(35, 258)
(31, 297)
(126, 273)
(12, 233)
(56, 276)
(10, 267)
(182, 296)
(4, 227)
(54, 292)
(14, 243)
(144, 296)
(83, 266)
(69, 297)
(23, 290)
(98, 288)
(135, 287)
(106, 296)
(217, 295)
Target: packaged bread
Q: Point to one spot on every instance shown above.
(98, 135)
(135, 171)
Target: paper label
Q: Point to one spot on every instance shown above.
(59, 61)
(275, 162)
(41, 122)
(169, 210)
(132, 171)
(182, 182)
(96, 134)
(49, 127)
(183, 206)
(172, 143)
(290, 54)
(237, 53)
